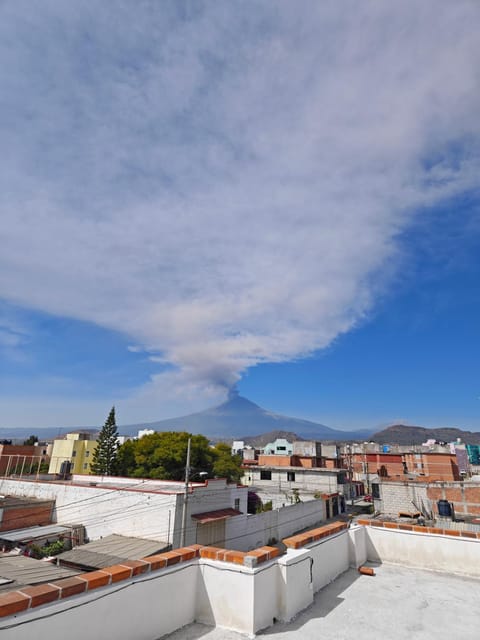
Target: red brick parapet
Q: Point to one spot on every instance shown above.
(400, 526)
(14, 602)
(302, 539)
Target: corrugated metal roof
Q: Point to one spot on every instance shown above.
(21, 570)
(219, 514)
(33, 533)
(111, 550)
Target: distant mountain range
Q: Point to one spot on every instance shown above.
(239, 418)
(405, 435)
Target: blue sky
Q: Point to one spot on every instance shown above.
(195, 197)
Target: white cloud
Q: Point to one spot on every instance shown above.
(226, 186)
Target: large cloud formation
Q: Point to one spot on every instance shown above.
(226, 183)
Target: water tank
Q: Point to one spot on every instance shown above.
(444, 508)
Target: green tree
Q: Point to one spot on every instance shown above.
(226, 465)
(31, 440)
(126, 459)
(105, 455)
(163, 455)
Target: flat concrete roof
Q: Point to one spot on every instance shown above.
(397, 603)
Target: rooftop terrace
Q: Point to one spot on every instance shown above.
(426, 587)
(397, 603)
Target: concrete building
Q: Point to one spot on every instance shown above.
(392, 498)
(77, 449)
(216, 512)
(142, 508)
(285, 484)
(279, 447)
(427, 465)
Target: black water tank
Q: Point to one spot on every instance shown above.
(444, 508)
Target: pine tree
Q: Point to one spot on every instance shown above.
(105, 455)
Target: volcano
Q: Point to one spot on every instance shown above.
(239, 417)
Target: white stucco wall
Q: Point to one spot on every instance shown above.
(259, 529)
(225, 596)
(308, 480)
(104, 511)
(214, 495)
(127, 510)
(144, 608)
(233, 596)
(331, 557)
(424, 551)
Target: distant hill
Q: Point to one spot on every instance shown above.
(239, 418)
(405, 434)
(259, 441)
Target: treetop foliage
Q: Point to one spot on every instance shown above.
(163, 455)
(104, 461)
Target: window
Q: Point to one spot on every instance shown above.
(87, 453)
(281, 448)
(291, 476)
(376, 491)
(265, 475)
(237, 504)
(85, 466)
(74, 453)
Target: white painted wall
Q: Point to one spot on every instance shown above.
(256, 530)
(233, 596)
(214, 495)
(104, 511)
(308, 480)
(128, 510)
(331, 557)
(295, 590)
(424, 551)
(225, 596)
(144, 608)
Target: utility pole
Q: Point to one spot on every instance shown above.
(350, 469)
(365, 464)
(185, 496)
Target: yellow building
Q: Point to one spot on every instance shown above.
(77, 448)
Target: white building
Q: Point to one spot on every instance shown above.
(282, 483)
(143, 508)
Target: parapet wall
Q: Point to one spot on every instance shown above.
(242, 591)
(431, 548)
(154, 596)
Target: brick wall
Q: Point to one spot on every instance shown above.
(13, 456)
(21, 517)
(274, 461)
(465, 496)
